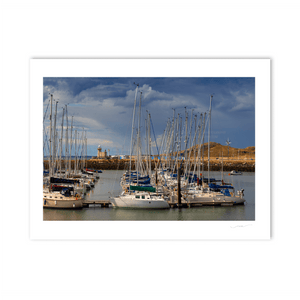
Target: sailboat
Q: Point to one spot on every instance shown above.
(59, 192)
(135, 195)
(233, 172)
(139, 199)
(67, 197)
(210, 192)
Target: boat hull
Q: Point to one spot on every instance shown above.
(215, 199)
(124, 202)
(62, 202)
(235, 173)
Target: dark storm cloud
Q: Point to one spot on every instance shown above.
(105, 105)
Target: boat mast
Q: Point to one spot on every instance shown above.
(170, 164)
(45, 131)
(173, 140)
(177, 141)
(209, 131)
(66, 144)
(79, 159)
(132, 130)
(79, 153)
(71, 142)
(55, 136)
(191, 126)
(196, 142)
(166, 143)
(203, 147)
(85, 150)
(186, 136)
(192, 146)
(197, 153)
(189, 138)
(138, 148)
(180, 137)
(146, 145)
(149, 144)
(222, 166)
(75, 164)
(82, 151)
(50, 164)
(61, 139)
(200, 145)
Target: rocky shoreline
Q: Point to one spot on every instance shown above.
(122, 164)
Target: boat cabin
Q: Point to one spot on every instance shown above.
(143, 196)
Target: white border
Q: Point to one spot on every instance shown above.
(150, 230)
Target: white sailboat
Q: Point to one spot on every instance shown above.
(139, 200)
(215, 196)
(233, 172)
(137, 196)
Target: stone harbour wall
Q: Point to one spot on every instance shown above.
(122, 164)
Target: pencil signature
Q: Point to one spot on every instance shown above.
(240, 226)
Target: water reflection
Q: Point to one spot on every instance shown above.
(64, 214)
(213, 213)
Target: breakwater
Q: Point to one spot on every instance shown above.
(123, 164)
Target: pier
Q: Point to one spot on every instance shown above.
(200, 203)
(173, 204)
(103, 203)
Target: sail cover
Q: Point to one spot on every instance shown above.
(214, 186)
(142, 188)
(63, 180)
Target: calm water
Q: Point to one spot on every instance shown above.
(108, 184)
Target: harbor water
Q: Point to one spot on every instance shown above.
(109, 185)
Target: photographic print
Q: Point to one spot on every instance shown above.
(142, 146)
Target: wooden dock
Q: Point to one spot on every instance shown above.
(172, 203)
(103, 203)
(198, 204)
(195, 203)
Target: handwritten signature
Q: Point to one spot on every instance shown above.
(240, 226)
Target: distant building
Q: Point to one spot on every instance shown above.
(100, 153)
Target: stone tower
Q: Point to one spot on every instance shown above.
(99, 151)
(101, 154)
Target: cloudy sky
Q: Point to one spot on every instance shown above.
(104, 107)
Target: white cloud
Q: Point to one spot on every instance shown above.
(243, 101)
(88, 122)
(94, 141)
